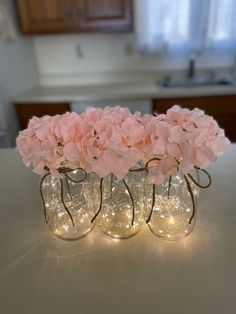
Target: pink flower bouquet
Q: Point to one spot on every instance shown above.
(113, 141)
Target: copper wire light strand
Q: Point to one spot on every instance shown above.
(73, 180)
(138, 170)
(192, 198)
(153, 203)
(41, 194)
(101, 197)
(132, 201)
(169, 186)
(197, 183)
(68, 188)
(146, 165)
(152, 159)
(198, 175)
(63, 202)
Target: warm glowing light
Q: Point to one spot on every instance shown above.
(78, 202)
(65, 227)
(171, 220)
(119, 203)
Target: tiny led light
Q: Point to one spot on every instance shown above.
(66, 228)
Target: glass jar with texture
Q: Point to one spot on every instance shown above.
(68, 203)
(173, 207)
(123, 205)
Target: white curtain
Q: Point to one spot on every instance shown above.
(185, 26)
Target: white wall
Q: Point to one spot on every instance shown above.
(17, 74)
(104, 58)
(103, 55)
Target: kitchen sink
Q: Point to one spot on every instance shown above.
(198, 82)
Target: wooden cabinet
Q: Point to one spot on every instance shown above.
(26, 111)
(60, 16)
(222, 108)
(99, 15)
(43, 16)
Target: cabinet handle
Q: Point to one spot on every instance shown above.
(68, 13)
(80, 13)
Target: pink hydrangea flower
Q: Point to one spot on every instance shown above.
(39, 146)
(183, 139)
(112, 140)
(110, 146)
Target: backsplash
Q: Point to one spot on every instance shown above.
(99, 58)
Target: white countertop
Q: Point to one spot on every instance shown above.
(92, 93)
(40, 273)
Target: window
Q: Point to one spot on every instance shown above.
(221, 30)
(186, 26)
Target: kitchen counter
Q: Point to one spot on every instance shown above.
(90, 93)
(40, 273)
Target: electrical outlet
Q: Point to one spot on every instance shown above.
(79, 51)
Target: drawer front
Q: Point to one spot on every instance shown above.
(222, 108)
(26, 111)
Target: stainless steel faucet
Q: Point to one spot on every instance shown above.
(191, 67)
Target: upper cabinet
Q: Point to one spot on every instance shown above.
(68, 16)
(104, 15)
(43, 16)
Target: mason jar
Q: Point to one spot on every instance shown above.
(173, 207)
(68, 203)
(123, 205)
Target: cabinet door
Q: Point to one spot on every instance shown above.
(104, 15)
(26, 111)
(43, 16)
(222, 108)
